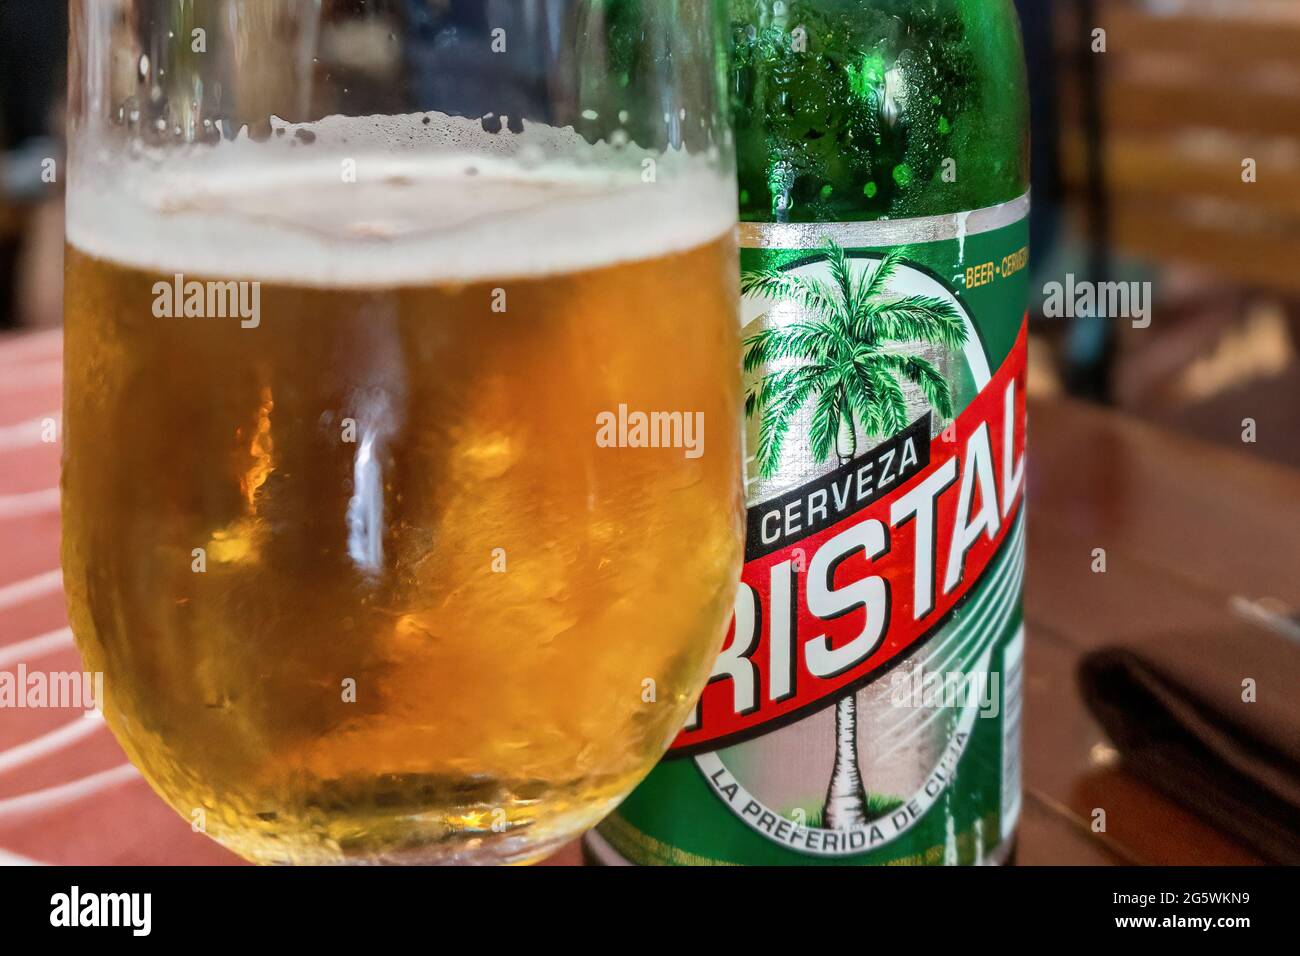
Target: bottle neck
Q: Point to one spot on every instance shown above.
(880, 110)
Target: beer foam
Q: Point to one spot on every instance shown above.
(370, 201)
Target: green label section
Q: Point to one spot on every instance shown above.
(971, 777)
(675, 818)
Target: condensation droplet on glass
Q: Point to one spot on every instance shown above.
(144, 65)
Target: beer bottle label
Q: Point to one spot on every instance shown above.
(866, 706)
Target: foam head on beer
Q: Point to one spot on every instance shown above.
(338, 526)
(391, 200)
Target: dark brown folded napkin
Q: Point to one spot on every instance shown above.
(1174, 707)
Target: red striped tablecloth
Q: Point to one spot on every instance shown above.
(67, 793)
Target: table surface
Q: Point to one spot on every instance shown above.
(1166, 509)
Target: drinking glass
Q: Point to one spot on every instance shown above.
(402, 478)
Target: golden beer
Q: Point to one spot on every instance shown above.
(366, 576)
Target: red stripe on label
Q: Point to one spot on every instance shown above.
(835, 609)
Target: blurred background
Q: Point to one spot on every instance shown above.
(1172, 158)
(33, 63)
(1166, 156)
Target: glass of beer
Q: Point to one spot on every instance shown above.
(402, 478)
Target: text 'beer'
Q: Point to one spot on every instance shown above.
(419, 528)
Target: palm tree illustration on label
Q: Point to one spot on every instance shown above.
(849, 361)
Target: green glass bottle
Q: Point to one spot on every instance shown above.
(866, 706)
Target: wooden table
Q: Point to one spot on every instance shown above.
(1187, 529)
(1185, 526)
